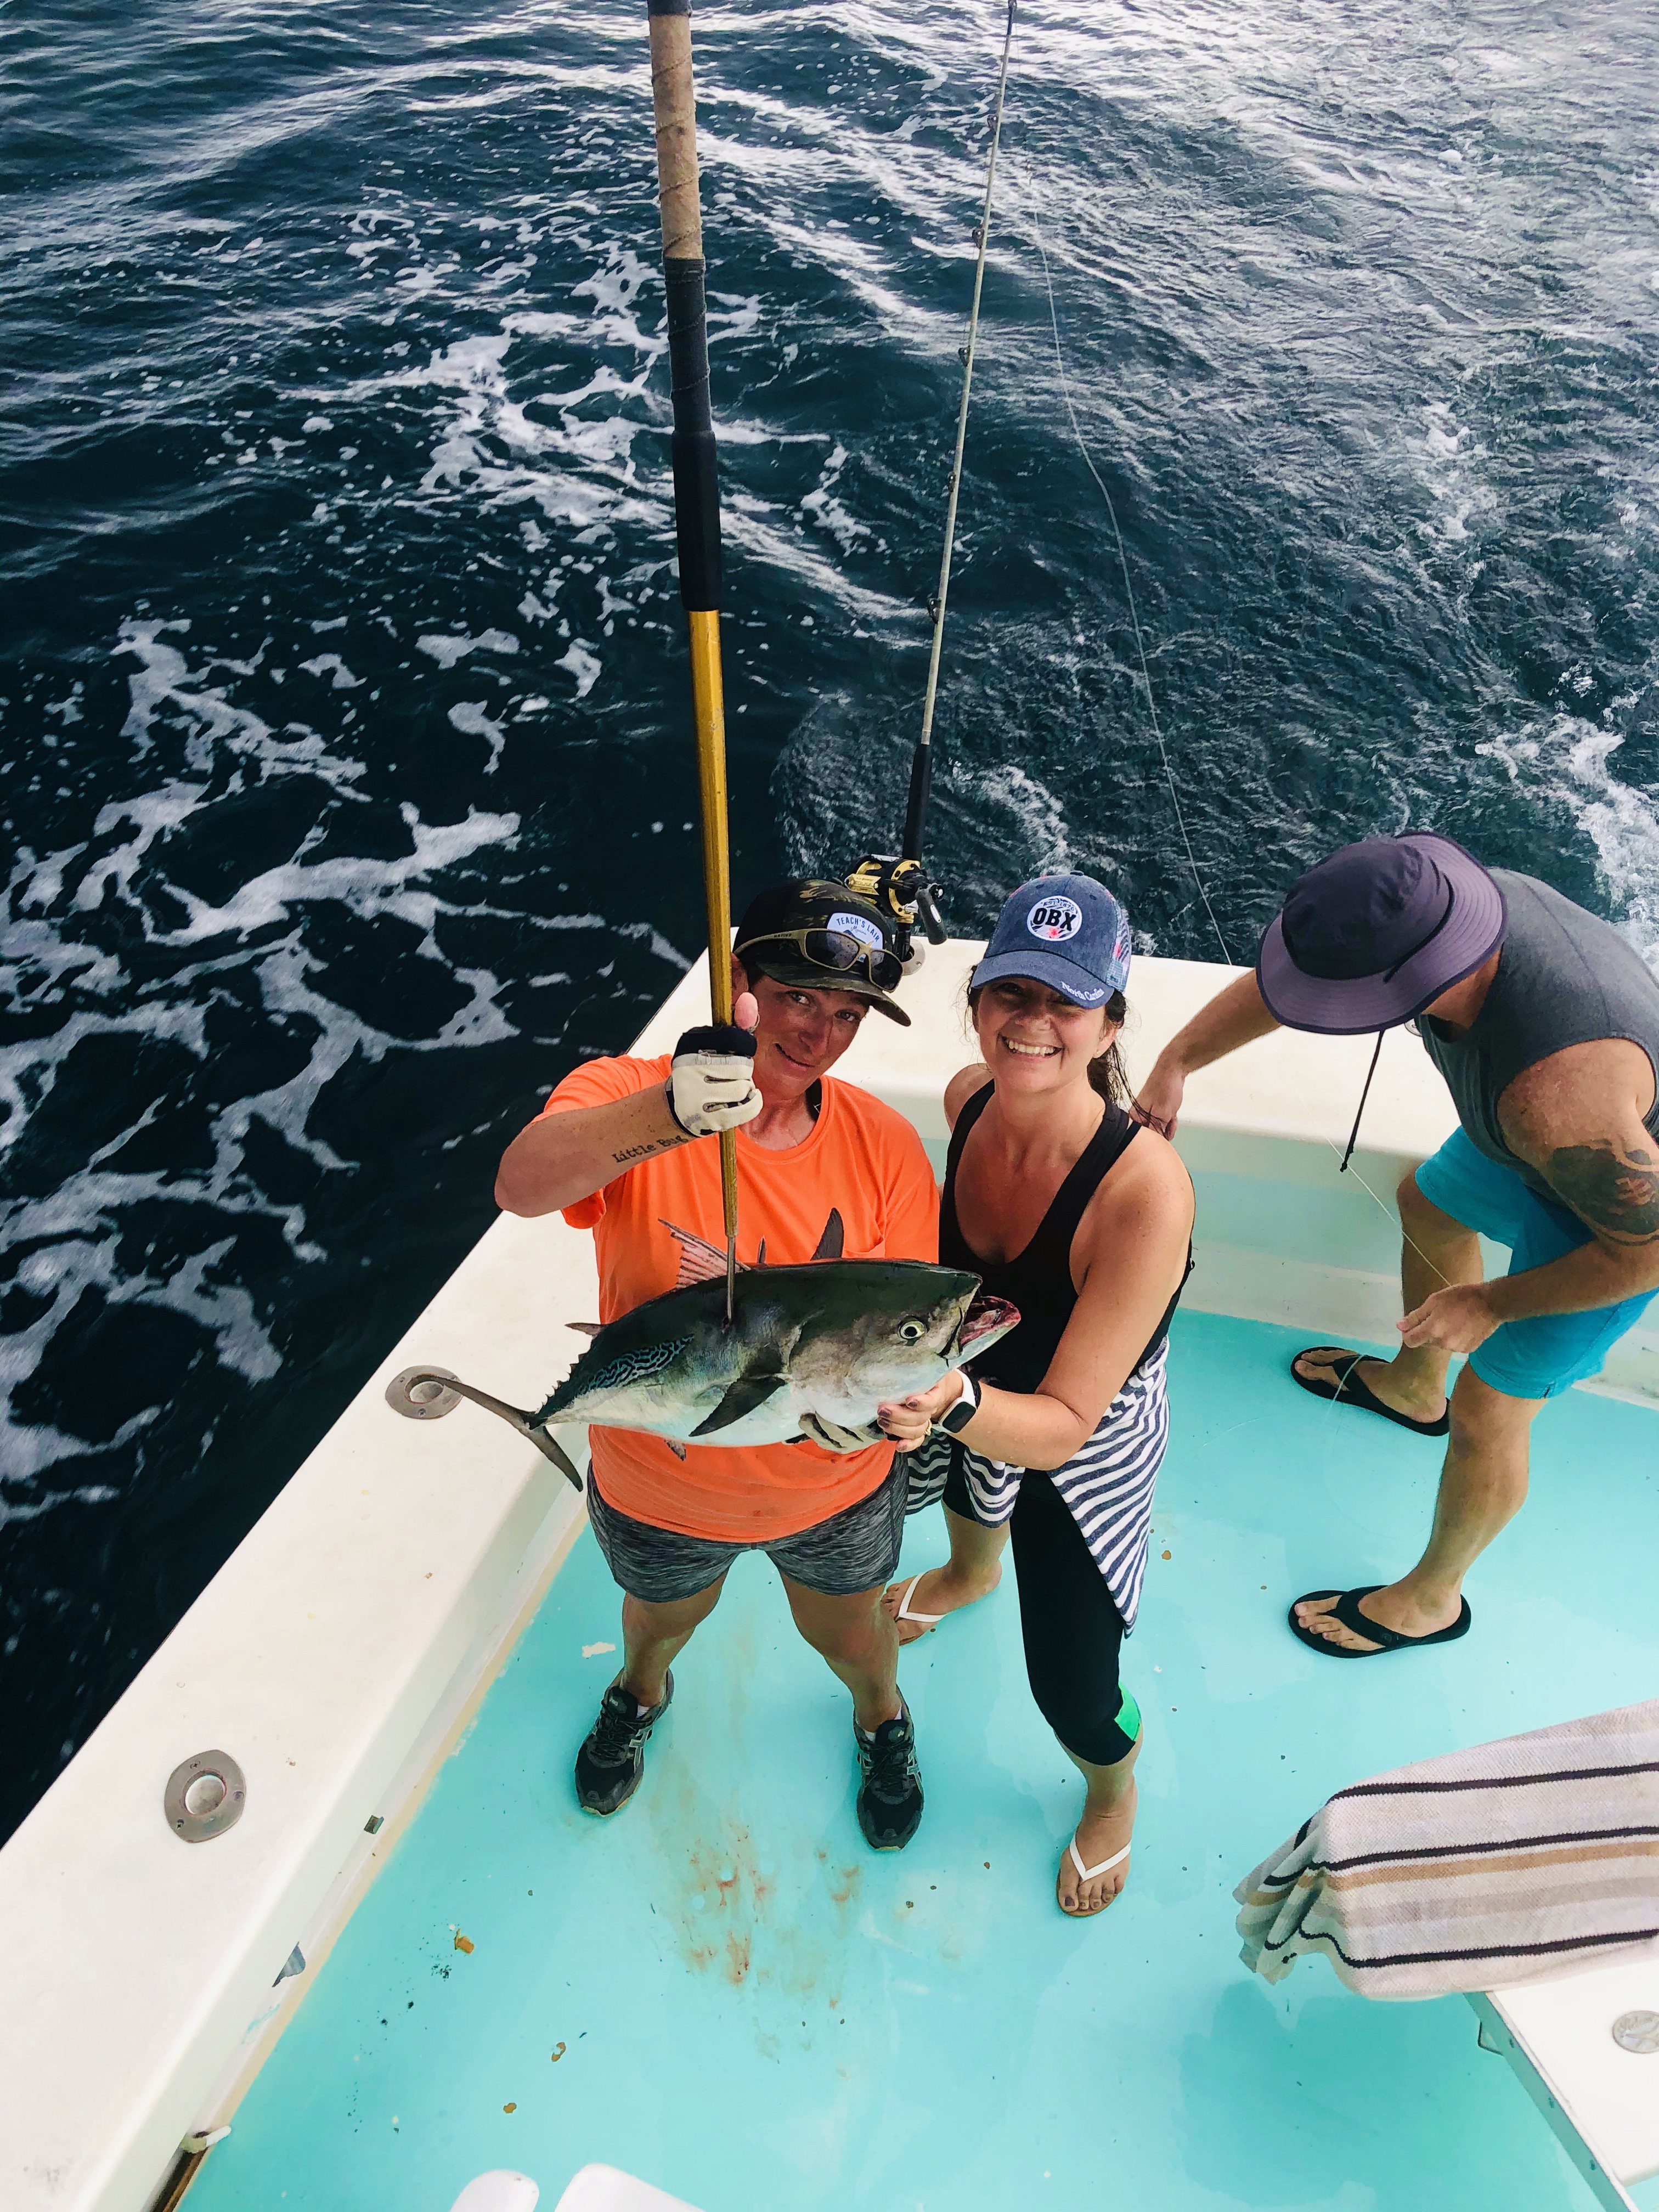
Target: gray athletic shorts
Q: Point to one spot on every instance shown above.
(852, 1550)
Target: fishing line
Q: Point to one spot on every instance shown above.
(921, 766)
(1382, 1206)
(1129, 595)
(1157, 730)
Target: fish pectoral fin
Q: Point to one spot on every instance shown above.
(586, 1327)
(833, 1239)
(675, 1446)
(745, 1395)
(832, 1437)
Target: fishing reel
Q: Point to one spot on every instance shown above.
(899, 888)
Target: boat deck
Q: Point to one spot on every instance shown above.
(723, 1991)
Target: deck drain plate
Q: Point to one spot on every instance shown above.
(1638, 2032)
(418, 1394)
(204, 1797)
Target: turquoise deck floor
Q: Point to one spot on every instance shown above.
(755, 2012)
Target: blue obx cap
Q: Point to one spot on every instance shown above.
(1066, 931)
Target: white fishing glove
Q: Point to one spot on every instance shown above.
(711, 1084)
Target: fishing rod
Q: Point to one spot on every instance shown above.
(696, 507)
(898, 883)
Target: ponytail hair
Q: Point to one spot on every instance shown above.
(1106, 1070)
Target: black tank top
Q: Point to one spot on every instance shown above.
(1038, 1280)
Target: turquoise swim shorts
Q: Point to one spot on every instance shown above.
(1540, 1358)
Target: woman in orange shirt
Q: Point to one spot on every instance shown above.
(618, 1149)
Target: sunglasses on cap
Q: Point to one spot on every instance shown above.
(837, 953)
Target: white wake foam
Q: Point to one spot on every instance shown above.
(1569, 761)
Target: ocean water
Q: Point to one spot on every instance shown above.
(345, 771)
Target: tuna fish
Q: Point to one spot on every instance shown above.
(810, 1352)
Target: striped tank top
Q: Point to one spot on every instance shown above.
(1108, 1485)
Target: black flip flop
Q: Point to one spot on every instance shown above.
(1347, 1610)
(1352, 1389)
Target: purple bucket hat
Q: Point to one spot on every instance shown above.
(1374, 934)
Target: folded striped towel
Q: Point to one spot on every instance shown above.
(1497, 1864)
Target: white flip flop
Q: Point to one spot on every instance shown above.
(1088, 1873)
(926, 1621)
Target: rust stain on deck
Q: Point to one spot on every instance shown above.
(721, 1907)
(845, 1885)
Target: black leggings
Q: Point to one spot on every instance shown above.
(1073, 1629)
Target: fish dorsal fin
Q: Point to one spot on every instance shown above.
(700, 1260)
(744, 1396)
(586, 1327)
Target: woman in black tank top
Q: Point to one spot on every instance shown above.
(1083, 1220)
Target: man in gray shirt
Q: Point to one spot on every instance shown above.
(1545, 1023)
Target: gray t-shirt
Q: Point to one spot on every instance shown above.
(1563, 978)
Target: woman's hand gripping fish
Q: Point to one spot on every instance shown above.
(810, 1352)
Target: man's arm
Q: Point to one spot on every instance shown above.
(1234, 1016)
(563, 1157)
(1577, 1118)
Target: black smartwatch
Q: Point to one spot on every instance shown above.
(964, 1411)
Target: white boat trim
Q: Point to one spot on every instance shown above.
(1598, 2102)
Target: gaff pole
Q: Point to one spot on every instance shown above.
(696, 506)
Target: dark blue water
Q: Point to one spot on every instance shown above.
(345, 760)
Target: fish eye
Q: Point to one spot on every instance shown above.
(910, 1330)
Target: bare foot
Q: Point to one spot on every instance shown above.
(1391, 1607)
(1100, 1834)
(1315, 1365)
(939, 1590)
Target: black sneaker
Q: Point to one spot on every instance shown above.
(890, 1797)
(611, 1762)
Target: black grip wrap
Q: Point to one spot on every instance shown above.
(668, 7)
(718, 1036)
(915, 812)
(697, 483)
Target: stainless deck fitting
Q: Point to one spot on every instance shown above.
(205, 1796)
(419, 1395)
(1638, 2032)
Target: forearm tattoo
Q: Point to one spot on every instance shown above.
(1614, 1189)
(644, 1152)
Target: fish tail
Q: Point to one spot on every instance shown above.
(549, 1449)
(528, 1425)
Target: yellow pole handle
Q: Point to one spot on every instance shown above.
(709, 707)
